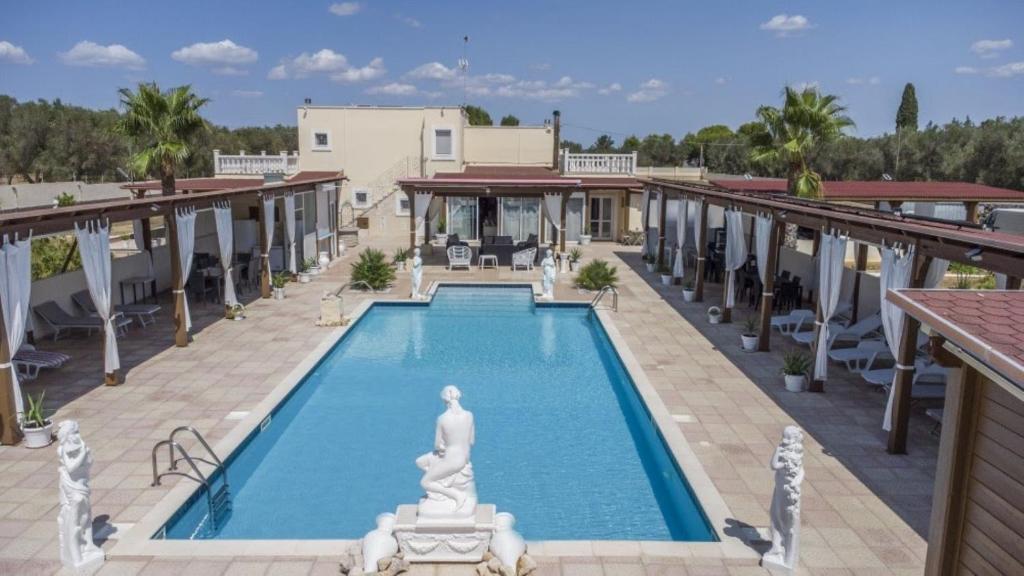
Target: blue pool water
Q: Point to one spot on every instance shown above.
(562, 438)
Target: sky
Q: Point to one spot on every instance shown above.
(610, 67)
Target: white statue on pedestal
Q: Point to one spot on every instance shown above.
(448, 474)
(788, 464)
(548, 283)
(417, 274)
(74, 522)
(380, 543)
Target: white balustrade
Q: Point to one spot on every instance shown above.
(255, 164)
(598, 163)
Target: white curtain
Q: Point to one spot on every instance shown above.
(831, 255)
(94, 249)
(895, 275)
(645, 202)
(268, 222)
(225, 241)
(735, 253)
(762, 238)
(137, 234)
(936, 272)
(185, 218)
(15, 293)
(422, 208)
(289, 230)
(553, 210)
(678, 268)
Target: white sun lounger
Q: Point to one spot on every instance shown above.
(59, 320)
(144, 313)
(864, 328)
(28, 361)
(792, 322)
(862, 355)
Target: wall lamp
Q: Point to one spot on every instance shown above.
(974, 254)
(154, 207)
(782, 214)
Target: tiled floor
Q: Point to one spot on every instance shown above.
(865, 512)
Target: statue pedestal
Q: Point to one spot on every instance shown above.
(444, 540)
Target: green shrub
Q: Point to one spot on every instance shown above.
(795, 364)
(34, 416)
(279, 280)
(596, 275)
(373, 269)
(401, 255)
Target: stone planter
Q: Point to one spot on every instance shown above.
(400, 266)
(314, 270)
(278, 293)
(441, 238)
(666, 279)
(305, 277)
(574, 265)
(38, 437)
(749, 342)
(324, 260)
(585, 239)
(650, 266)
(795, 382)
(715, 317)
(689, 295)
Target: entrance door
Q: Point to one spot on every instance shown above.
(601, 217)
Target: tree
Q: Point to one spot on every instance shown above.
(603, 145)
(509, 120)
(163, 125)
(906, 116)
(806, 121)
(572, 147)
(478, 116)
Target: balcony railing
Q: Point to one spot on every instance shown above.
(624, 164)
(255, 164)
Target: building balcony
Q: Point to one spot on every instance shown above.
(621, 164)
(255, 164)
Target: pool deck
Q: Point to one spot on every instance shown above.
(864, 511)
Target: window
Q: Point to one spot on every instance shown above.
(401, 204)
(361, 198)
(321, 140)
(444, 144)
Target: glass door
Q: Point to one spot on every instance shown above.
(520, 217)
(601, 217)
(462, 217)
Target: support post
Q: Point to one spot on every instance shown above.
(904, 379)
(561, 224)
(768, 289)
(264, 252)
(860, 265)
(10, 431)
(412, 220)
(1013, 282)
(972, 211)
(702, 253)
(662, 209)
(177, 282)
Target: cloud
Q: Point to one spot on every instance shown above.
(393, 89)
(375, 69)
(613, 87)
(785, 25)
(649, 91)
(226, 55)
(860, 81)
(247, 93)
(344, 8)
(11, 53)
(433, 71)
(991, 48)
(91, 54)
(409, 21)
(279, 72)
(1008, 70)
(721, 80)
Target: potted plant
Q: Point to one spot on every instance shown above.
(749, 334)
(649, 261)
(585, 237)
(666, 275)
(574, 259)
(596, 275)
(37, 427)
(688, 292)
(236, 311)
(715, 315)
(401, 255)
(278, 281)
(442, 231)
(794, 370)
(305, 274)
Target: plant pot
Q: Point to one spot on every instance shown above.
(441, 238)
(314, 270)
(305, 277)
(666, 279)
(715, 318)
(574, 266)
(324, 260)
(585, 239)
(689, 295)
(749, 342)
(650, 266)
(400, 266)
(278, 293)
(38, 437)
(795, 382)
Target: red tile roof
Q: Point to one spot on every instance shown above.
(198, 184)
(885, 190)
(989, 324)
(307, 175)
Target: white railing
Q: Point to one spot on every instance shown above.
(255, 164)
(598, 163)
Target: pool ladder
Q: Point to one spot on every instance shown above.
(218, 500)
(602, 293)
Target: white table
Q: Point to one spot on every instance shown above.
(485, 260)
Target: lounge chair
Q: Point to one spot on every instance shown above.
(28, 361)
(524, 259)
(864, 328)
(144, 313)
(862, 355)
(460, 256)
(929, 379)
(59, 320)
(792, 322)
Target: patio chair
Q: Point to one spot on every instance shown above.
(927, 376)
(460, 256)
(145, 314)
(28, 361)
(862, 355)
(864, 328)
(792, 322)
(524, 259)
(60, 321)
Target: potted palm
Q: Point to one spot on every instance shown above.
(649, 261)
(278, 281)
(749, 334)
(715, 315)
(38, 429)
(306, 270)
(688, 292)
(666, 275)
(794, 370)
(401, 255)
(441, 237)
(574, 259)
(585, 237)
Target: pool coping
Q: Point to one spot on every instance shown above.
(137, 539)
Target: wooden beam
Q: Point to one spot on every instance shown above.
(972, 211)
(10, 431)
(860, 265)
(177, 282)
(702, 253)
(561, 225)
(903, 382)
(768, 289)
(412, 220)
(264, 250)
(662, 218)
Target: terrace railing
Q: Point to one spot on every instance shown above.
(255, 164)
(622, 164)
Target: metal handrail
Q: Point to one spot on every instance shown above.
(172, 444)
(217, 463)
(615, 297)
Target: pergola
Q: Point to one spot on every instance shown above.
(193, 194)
(956, 242)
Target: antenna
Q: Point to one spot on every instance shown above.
(464, 67)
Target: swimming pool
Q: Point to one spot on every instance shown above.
(563, 440)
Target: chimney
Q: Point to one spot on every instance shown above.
(557, 122)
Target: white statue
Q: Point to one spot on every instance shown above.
(788, 464)
(74, 522)
(417, 274)
(448, 474)
(379, 543)
(548, 283)
(507, 544)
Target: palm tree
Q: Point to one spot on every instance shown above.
(164, 125)
(806, 120)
